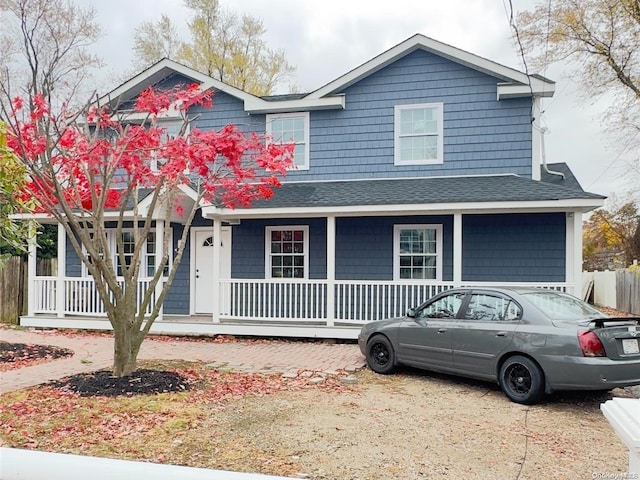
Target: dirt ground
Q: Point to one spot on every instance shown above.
(411, 425)
(414, 425)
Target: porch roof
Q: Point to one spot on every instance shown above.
(490, 193)
(472, 189)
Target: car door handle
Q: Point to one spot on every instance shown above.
(442, 330)
(501, 334)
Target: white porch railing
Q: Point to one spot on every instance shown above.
(80, 296)
(269, 300)
(362, 301)
(355, 301)
(306, 301)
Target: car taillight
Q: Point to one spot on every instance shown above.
(591, 345)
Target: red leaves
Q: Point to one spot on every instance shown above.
(181, 99)
(88, 169)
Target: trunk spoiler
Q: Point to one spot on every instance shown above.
(600, 322)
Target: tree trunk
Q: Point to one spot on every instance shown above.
(124, 356)
(127, 341)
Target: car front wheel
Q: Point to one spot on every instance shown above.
(380, 355)
(522, 380)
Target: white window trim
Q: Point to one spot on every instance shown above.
(396, 134)
(166, 123)
(271, 117)
(112, 245)
(267, 250)
(396, 248)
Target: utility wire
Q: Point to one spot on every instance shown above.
(514, 27)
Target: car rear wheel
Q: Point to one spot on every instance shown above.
(522, 380)
(381, 357)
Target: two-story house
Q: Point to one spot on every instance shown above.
(417, 171)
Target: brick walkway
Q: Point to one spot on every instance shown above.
(96, 352)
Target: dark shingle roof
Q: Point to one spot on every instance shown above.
(411, 191)
(569, 180)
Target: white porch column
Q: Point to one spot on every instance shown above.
(31, 277)
(217, 239)
(62, 270)
(573, 260)
(160, 225)
(331, 270)
(457, 249)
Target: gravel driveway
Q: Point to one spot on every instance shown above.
(419, 425)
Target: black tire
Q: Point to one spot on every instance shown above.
(381, 356)
(522, 380)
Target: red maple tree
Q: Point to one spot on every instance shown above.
(100, 171)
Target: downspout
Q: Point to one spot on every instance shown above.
(543, 132)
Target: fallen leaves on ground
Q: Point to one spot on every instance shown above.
(19, 355)
(56, 417)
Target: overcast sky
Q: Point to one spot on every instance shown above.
(325, 39)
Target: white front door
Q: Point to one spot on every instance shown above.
(203, 264)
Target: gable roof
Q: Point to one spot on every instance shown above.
(515, 83)
(165, 68)
(161, 70)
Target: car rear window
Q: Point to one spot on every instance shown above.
(560, 306)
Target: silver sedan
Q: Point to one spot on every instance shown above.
(530, 341)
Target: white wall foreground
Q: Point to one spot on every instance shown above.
(17, 464)
(624, 416)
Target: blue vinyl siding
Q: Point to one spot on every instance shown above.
(514, 248)
(177, 299)
(227, 110)
(73, 264)
(364, 246)
(248, 252)
(481, 134)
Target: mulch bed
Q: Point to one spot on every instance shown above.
(100, 383)
(18, 355)
(141, 382)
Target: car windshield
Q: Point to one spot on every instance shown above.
(560, 306)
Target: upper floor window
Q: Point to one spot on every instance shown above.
(418, 134)
(172, 127)
(417, 252)
(287, 252)
(292, 127)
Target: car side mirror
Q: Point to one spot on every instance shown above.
(411, 313)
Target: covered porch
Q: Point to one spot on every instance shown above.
(500, 231)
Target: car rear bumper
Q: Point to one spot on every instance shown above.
(589, 373)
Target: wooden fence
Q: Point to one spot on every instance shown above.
(13, 285)
(13, 278)
(628, 291)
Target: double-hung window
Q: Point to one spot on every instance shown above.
(172, 127)
(287, 252)
(292, 128)
(417, 252)
(418, 134)
(148, 254)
